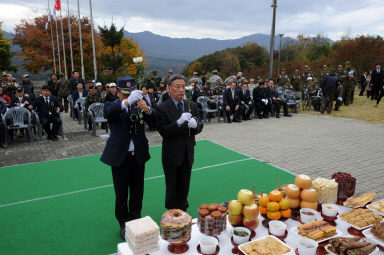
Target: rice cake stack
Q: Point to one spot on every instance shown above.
(142, 236)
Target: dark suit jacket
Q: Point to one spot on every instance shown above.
(329, 85)
(73, 83)
(195, 95)
(122, 132)
(75, 94)
(377, 78)
(176, 140)
(15, 100)
(43, 109)
(245, 98)
(227, 98)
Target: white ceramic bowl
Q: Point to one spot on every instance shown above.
(307, 215)
(241, 239)
(307, 246)
(208, 244)
(277, 228)
(329, 210)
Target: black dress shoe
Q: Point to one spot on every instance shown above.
(260, 117)
(287, 115)
(265, 117)
(50, 137)
(277, 116)
(122, 233)
(55, 138)
(229, 120)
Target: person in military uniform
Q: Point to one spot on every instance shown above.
(8, 86)
(215, 80)
(170, 73)
(277, 101)
(323, 74)
(349, 78)
(127, 149)
(246, 101)
(156, 79)
(92, 97)
(196, 79)
(112, 94)
(304, 77)
(162, 87)
(28, 87)
(296, 81)
(288, 86)
(63, 91)
(282, 78)
(339, 89)
(316, 100)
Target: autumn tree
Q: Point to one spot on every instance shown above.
(230, 65)
(5, 53)
(36, 45)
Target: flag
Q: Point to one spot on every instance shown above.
(46, 25)
(54, 14)
(49, 20)
(57, 5)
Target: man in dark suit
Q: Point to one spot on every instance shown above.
(277, 101)
(80, 92)
(329, 89)
(363, 80)
(48, 109)
(246, 101)
(261, 100)
(150, 101)
(75, 79)
(21, 100)
(231, 103)
(376, 82)
(127, 149)
(177, 122)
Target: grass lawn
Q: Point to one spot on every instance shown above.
(362, 108)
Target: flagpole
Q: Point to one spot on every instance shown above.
(58, 44)
(62, 39)
(53, 44)
(70, 36)
(93, 43)
(81, 42)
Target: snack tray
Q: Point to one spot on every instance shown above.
(338, 233)
(261, 238)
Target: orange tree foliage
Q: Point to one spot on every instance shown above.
(36, 44)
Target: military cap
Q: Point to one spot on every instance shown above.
(126, 84)
(25, 75)
(98, 84)
(4, 74)
(19, 89)
(325, 66)
(214, 71)
(282, 69)
(340, 66)
(251, 79)
(239, 74)
(306, 66)
(194, 73)
(244, 81)
(91, 85)
(170, 71)
(112, 84)
(347, 63)
(309, 78)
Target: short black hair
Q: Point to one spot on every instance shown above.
(53, 74)
(175, 77)
(144, 86)
(262, 82)
(75, 71)
(45, 87)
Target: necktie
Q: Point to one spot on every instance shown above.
(378, 70)
(46, 100)
(180, 107)
(233, 95)
(148, 100)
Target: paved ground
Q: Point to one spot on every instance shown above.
(313, 145)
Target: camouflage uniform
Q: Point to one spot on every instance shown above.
(215, 81)
(9, 88)
(348, 84)
(296, 82)
(304, 78)
(63, 91)
(282, 80)
(288, 87)
(339, 90)
(207, 92)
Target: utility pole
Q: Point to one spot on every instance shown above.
(93, 43)
(278, 66)
(81, 42)
(70, 37)
(272, 40)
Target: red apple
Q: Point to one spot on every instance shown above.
(251, 224)
(251, 211)
(235, 220)
(235, 207)
(245, 197)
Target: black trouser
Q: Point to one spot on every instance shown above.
(375, 91)
(380, 96)
(262, 108)
(246, 112)
(232, 109)
(362, 89)
(129, 174)
(2, 133)
(278, 104)
(177, 180)
(56, 121)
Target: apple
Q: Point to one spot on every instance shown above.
(245, 197)
(284, 204)
(235, 207)
(251, 224)
(235, 220)
(251, 211)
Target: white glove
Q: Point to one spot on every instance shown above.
(265, 101)
(135, 96)
(192, 123)
(183, 118)
(340, 99)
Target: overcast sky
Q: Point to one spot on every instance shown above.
(220, 19)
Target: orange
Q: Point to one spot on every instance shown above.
(263, 210)
(286, 213)
(263, 201)
(274, 215)
(275, 195)
(273, 206)
(284, 204)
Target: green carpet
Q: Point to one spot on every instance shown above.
(83, 222)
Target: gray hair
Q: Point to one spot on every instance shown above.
(175, 77)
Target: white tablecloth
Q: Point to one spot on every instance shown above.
(225, 238)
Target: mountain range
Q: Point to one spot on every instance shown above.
(165, 53)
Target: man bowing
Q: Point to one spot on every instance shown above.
(177, 122)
